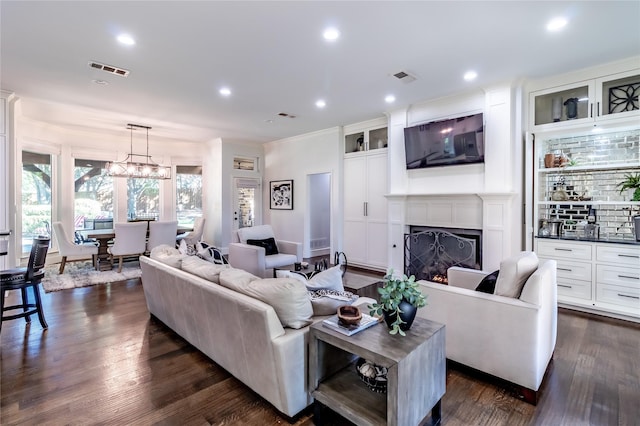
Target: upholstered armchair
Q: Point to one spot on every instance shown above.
(192, 237)
(509, 333)
(162, 232)
(256, 250)
(130, 240)
(71, 250)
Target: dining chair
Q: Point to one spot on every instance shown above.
(23, 278)
(162, 232)
(194, 236)
(66, 248)
(130, 240)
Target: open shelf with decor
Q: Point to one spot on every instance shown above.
(584, 222)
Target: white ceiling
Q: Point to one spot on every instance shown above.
(272, 55)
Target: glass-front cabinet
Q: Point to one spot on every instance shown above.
(611, 97)
(366, 140)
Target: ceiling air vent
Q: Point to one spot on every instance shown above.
(404, 76)
(284, 114)
(108, 68)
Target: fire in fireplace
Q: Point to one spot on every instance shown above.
(429, 252)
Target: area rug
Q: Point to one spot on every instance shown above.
(83, 274)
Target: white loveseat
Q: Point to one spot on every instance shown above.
(241, 333)
(512, 338)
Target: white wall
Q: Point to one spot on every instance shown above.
(295, 158)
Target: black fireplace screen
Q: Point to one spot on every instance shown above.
(429, 253)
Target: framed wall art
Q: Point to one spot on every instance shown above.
(281, 193)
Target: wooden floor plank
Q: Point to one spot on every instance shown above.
(105, 361)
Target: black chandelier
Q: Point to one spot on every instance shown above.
(138, 169)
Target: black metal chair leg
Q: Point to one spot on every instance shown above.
(36, 293)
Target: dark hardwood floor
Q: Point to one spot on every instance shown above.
(104, 361)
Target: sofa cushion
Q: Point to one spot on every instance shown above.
(269, 245)
(326, 302)
(287, 296)
(488, 283)
(259, 232)
(168, 255)
(514, 272)
(236, 279)
(329, 279)
(202, 268)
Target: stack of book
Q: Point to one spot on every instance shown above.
(366, 322)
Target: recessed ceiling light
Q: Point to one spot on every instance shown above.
(126, 39)
(556, 24)
(321, 104)
(470, 75)
(269, 121)
(389, 99)
(225, 91)
(331, 34)
(100, 82)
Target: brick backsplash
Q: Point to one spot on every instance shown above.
(620, 149)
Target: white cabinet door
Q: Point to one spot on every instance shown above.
(365, 209)
(355, 188)
(377, 188)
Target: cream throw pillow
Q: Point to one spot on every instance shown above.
(202, 268)
(288, 298)
(168, 255)
(514, 272)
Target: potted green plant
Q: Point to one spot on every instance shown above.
(631, 181)
(400, 299)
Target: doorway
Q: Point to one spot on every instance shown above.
(247, 203)
(319, 208)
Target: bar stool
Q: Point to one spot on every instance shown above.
(23, 278)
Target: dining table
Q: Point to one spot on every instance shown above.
(104, 237)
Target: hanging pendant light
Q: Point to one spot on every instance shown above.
(138, 169)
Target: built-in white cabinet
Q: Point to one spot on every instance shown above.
(365, 209)
(597, 277)
(586, 102)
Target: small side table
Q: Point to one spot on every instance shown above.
(416, 377)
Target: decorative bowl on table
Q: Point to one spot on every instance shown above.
(374, 376)
(349, 315)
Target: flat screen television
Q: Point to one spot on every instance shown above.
(447, 142)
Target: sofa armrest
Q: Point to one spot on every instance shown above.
(465, 277)
(290, 247)
(247, 257)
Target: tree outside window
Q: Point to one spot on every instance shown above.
(93, 193)
(36, 197)
(143, 198)
(188, 194)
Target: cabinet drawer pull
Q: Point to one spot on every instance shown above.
(565, 269)
(630, 297)
(562, 249)
(565, 286)
(630, 255)
(628, 276)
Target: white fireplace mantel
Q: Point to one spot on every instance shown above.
(492, 213)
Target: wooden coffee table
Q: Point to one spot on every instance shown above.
(416, 377)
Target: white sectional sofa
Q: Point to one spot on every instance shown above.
(508, 336)
(241, 333)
